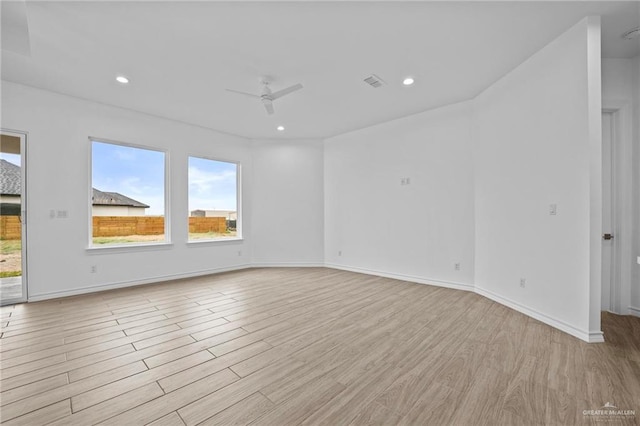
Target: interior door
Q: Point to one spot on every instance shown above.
(13, 277)
(607, 209)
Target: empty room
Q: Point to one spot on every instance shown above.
(320, 213)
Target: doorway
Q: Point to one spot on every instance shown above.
(13, 277)
(608, 246)
(617, 216)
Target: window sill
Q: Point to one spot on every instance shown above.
(195, 243)
(124, 248)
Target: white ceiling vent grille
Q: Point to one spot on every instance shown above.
(374, 81)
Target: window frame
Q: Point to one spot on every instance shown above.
(167, 200)
(239, 212)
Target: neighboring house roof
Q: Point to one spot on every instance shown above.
(101, 198)
(10, 178)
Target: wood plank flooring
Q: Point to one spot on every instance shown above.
(307, 346)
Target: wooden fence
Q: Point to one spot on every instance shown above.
(10, 228)
(113, 226)
(207, 224)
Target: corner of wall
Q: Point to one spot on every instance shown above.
(522, 156)
(634, 309)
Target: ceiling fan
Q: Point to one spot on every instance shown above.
(267, 97)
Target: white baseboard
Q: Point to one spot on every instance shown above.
(403, 277)
(595, 337)
(287, 265)
(634, 311)
(591, 337)
(131, 283)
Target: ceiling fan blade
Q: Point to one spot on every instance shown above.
(281, 93)
(243, 93)
(268, 106)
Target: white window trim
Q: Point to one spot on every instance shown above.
(239, 221)
(214, 241)
(167, 201)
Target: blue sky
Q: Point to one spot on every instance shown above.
(212, 185)
(139, 174)
(136, 173)
(12, 158)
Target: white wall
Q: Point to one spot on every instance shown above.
(58, 178)
(416, 231)
(117, 211)
(10, 199)
(617, 80)
(534, 145)
(287, 215)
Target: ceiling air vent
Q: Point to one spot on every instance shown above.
(374, 81)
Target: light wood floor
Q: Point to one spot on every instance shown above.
(304, 346)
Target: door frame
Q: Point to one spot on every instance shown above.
(608, 226)
(622, 204)
(23, 212)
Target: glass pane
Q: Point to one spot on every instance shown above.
(11, 190)
(213, 199)
(127, 195)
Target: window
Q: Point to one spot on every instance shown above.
(213, 199)
(127, 195)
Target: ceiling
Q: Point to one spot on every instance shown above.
(180, 56)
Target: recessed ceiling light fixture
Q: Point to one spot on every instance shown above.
(631, 34)
(122, 79)
(408, 81)
(280, 128)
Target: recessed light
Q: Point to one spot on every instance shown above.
(280, 128)
(408, 81)
(122, 79)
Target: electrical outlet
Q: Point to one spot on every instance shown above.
(523, 282)
(239, 252)
(456, 266)
(553, 209)
(52, 214)
(339, 252)
(94, 269)
(405, 181)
